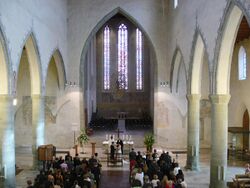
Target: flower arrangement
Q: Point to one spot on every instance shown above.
(83, 137)
(149, 141)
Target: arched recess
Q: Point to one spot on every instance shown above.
(87, 44)
(175, 69)
(181, 83)
(29, 116)
(58, 60)
(4, 68)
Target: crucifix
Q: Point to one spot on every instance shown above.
(118, 133)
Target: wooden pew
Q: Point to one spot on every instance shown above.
(241, 180)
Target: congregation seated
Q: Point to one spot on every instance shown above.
(146, 171)
(70, 173)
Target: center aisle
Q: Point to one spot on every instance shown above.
(115, 179)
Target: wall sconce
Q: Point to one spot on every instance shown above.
(71, 84)
(164, 84)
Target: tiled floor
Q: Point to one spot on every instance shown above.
(112, 175)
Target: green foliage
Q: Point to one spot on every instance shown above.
(149, 141)
(83, 137)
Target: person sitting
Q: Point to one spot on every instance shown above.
(92, 160)
(29, 183)
(64, 166)
(140, 175)
(147, 183)
(136, 183)
(77, 160)
(176, 168)
(247, 170)
(155, 155)
(155, 180)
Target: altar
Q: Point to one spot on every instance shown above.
(128, 143)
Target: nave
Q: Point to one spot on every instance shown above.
(119, 176)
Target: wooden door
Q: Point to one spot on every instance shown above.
(246, 130)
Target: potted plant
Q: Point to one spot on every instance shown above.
(149, 141)
(83, 138)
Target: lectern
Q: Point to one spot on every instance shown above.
(46, 153)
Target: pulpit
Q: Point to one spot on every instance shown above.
(46, 152)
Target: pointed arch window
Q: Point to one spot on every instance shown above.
(106, 63)
(139, 75)
(175, 3)
(123, 57)
(242, 63)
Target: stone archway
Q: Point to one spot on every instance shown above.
(89, 44)
(7, 139)
(221, 92)
(194, 96)
(31, 96)
(53, 99)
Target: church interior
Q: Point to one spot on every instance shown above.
(174, 69)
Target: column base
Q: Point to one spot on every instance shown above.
(192, 164)
(193, 168)
(218, 184)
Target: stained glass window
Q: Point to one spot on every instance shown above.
(242, 63)
(106, 64)
(123, 57)
(175, 3)
(139, 77)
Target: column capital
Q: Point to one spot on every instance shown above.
(6, 99)
(191, 97)
(220, 98)
(37, 96)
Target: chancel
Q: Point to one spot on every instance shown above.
(170, 78)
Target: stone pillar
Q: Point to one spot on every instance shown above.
(218, 165)
(37, 125)
(7, 166)
(193, 140)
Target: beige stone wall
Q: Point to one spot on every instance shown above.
(239, 90)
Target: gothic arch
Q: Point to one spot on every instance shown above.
(177, 62)
(34, 64)
(98, 26)
(225, 45)
(60, 68)
(198, 52)
(4, 67)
